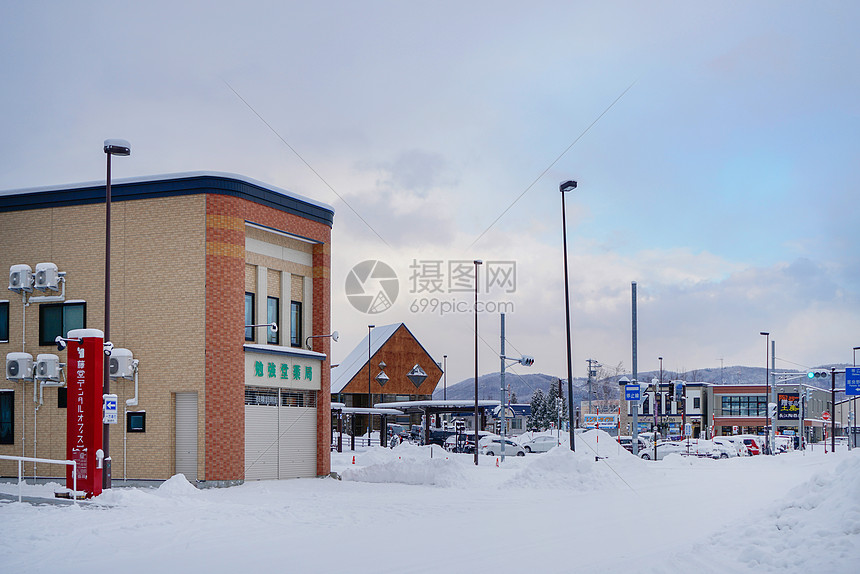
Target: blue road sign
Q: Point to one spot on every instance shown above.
(852, 380)
(631, 392)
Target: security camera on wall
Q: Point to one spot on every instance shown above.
(121, 364)
(46, 277)
(19, 366)
(21, 278)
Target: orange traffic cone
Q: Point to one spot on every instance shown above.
(497, 462)
(353, 460)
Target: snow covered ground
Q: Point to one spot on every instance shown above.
(417, 509)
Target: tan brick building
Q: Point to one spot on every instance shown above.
(194, 258)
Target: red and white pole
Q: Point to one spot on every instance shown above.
(84, 414)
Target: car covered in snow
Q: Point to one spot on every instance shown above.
(627, 443)
(540, 443)
(733, 441)
(663, 448)
(708, 449)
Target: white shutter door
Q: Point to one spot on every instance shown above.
(186, 435)
(298, 442)
(261, 442)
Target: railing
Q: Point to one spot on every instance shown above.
(23, 459)
(346, 441)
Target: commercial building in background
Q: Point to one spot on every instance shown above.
(194, 258)
(673, 409)
(742, 409)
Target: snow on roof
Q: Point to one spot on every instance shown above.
(168, 176)
(357, 358)
(458, 403)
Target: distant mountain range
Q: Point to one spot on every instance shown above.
(523, 386)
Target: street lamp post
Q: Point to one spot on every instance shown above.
(477, 262)
(660, 391)
(767, 387)
(369, 395)
(852, 427)
(565, 186)
(445, 375)
(121, 148)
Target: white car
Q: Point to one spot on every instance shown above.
(734, 441)
(709, 449)
(664, 447)
(492, 446)
(540, 444)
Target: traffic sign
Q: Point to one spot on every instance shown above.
(110, 409)
(825, 415)
(688, 429)
(852, 380)
(631, 393)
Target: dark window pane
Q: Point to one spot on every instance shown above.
(7, 417)
(50, 323)
(73, 317)
(249, 316)
(272, 317)
(295, 324)
(136, 421)
(4, 321)
(62, 397)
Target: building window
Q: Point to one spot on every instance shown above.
(645, 405)
(7, 417)
(4, 321)
(697, 402)
(272, 308)
(295, 324)
(296, 398)
(57, 320)
(744, 406)
(249, 316)
(62, 397)
(135, 421)
(261, 396)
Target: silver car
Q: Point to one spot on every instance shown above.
(493, 447)
(540, 444)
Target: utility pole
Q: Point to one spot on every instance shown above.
(635, 404)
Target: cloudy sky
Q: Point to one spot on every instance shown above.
(716, 146)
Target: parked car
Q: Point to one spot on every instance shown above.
(439, 436)
(754, 443)
(731, 443)
(627, 443)
(462, 442)
(492, 446)
(708, 449)
(540, 444)
(664, 447)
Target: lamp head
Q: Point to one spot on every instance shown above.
(569, 185)
(335, 336)
(117, 147)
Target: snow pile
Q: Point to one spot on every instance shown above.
(815, 527)
(562, 468)
(408, 464)
(176, 486)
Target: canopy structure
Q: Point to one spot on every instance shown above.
(432, 407)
